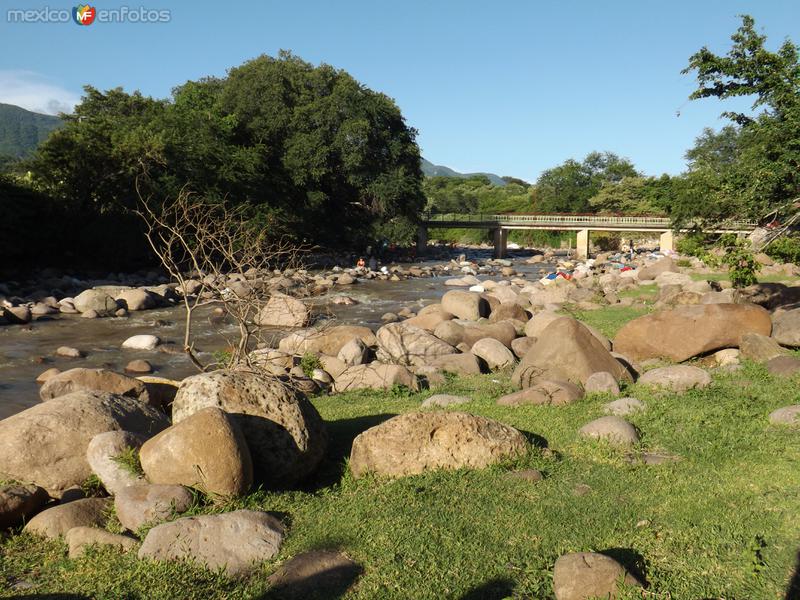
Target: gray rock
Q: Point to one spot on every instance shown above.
(237, 541)
(787, 415)
(493, 353)
(58, 520)
(97, 301)
(623, 407)
(18, 502)
(102, 455)
(612, 429)
(786, 327)
(80, 538)
(602, 382)
(354, 352)
(140, 505)
(783, 366)
(676, 378)
(760, 348)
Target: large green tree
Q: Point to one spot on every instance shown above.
(568, 187)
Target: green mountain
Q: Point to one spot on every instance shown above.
(22, 130)
(432, 170)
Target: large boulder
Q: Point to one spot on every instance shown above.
(467, 332)
(327, 340)
(236, 541)
(47, 443)
(375, 376)
(104, 455)
(18, 502)
(96, 300)
(411, 443)
(93, 380)
(429, 320)
(539, 323)
(284, 432)
(493, 353)
(141, 505)
(206, 450)
(458, 364)
(760, 348)
(465, 305)
(786, 327)
(687, 331)
(135, 299)
(283, 311)
(566, 350)
(664, 265)
(58, 520)
(409, 345)
(584, 575)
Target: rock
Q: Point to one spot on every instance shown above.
(103, 454)
(97, 301)
(283, 311)
(786, 327)
(429, 321)
(687, 331)
(788, 415)
(567, 351)
(375, 376)
(493, 353)
(467, 332)
(470, 306)
(602, 382)
(759, 348)
(141, 342)
(328, 340)
(93, 380)
(80, 538)
(135, 299)
(521, 345)
(45, 375)
(140, 505)
(612, 429)
(584, 575)
(664, 265)
(771, 295)
(58, 520)
(139, 367)
(412, 443)
(458, 364)
(345, 279)
(543, 391)
(332, 365)
(389, 318)
(531, 475)
(783, 366)
(17, 315)
(408, 345)
(354, 352)
(506, 311)
(284, 432)
(68, 352)
(728, 356)
(18, 502)
(237, 541)
(623, 407)
(539, 322)
(317, 574)
(444, 400)
(676, 378)
(206, 450)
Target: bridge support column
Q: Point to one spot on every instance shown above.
(500, 242)
(582, 244)
(422, 240)
(666, 242)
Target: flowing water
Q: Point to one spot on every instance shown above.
(27, 350)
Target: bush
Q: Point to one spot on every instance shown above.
(309, 362)
(742, 265)
(693, 244)
(785, 249)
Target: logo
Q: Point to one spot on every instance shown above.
(84, 14)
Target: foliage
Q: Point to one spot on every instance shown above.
(309, 362)
(569, 187)
(92, 486)
(635, 195)
(738, 257)
(785, 249)
(128, 459)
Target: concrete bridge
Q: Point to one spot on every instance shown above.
(501, 224)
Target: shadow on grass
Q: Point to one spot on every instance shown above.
(52, 597)
(341, 434)
(494, 589)
(630, 559)
(793, 591)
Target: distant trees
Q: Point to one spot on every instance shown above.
(569, 187)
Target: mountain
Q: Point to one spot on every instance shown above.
(22, 130)
(432, 170)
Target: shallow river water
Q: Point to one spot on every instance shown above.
(26, 351)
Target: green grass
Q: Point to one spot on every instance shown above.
(719, 523)
(609, 319)
(761, 278)
(128, 459)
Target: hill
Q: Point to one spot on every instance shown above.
(432, 170)
(21, 131)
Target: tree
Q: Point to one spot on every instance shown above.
(569, 186)
(635, 196)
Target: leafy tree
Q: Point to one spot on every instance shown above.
(635, 196)
(568, 187)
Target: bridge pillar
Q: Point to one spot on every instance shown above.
(422, 239)
(500, 242)
(666, 242)
(582, 244)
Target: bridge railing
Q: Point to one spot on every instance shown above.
(566, 220)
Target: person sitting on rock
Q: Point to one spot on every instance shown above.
(361, 264)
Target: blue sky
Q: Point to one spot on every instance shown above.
(511, 87)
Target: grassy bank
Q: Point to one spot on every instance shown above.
(721, 522)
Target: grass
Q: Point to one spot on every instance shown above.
(775, 278)
(128, 459)
(610, 319)
(719, 523)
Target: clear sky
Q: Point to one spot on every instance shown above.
(510, 87)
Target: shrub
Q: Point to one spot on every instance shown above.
(742, 265)
(785, 249)
(309, 362)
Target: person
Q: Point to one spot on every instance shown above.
(632, 249)
(361, 264)
(373, 264)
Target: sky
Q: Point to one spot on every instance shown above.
(509, 87)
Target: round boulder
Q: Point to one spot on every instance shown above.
(612, 429)
(676, 378)
(583, 575)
